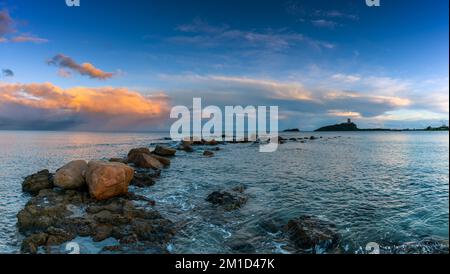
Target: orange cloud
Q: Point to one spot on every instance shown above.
(107, 104)
(87, 69)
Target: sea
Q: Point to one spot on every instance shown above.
(387, 188)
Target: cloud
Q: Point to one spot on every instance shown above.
(346, 78)
(7, 73)
(104, 108)
(364, 98)
(86, 69)
(322, 23)
(26, 38)
(8, 28)
(6, 24)
(202, 34)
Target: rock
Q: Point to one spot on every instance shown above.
(119, 160)
(241, 246)
(108, 179)
(211, 143)
(186, 146)
(138, 151)
(142, 180)
(31, 243)
(164, 151)
(280, 140)
(312, 138)
(310, 233)
(163, 160)
(208, 153)
(229, 200)
(145, 160)
(38, 181)
(71, 175)
(48, 219)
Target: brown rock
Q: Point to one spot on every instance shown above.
(186, 146)
(108, 179)
(163, 160)
(145, 160)
(211, 143)
(71, 175)
(38, 181)
(164, 151)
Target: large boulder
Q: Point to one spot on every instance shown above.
(71, 175)
(164, 151)
(108, 179)
(38, 181)
(310, 233)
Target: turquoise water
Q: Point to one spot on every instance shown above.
(384, 187)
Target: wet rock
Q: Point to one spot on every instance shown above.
(144, 160)
(229, 200)
(57, 236)
(142, 180)
(119, 160)
(241, 246)
(163, 160)
(108, 179)
(186, 146)
(208, 153)
(313, 138)
(31, 243)
(164, 151)
(310, 233)
(211, 143)
(47, 220)
(38, 181)
(138, 151)
(71, 175)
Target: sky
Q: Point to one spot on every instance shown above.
(122, 65)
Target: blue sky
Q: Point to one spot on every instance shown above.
(319, 61)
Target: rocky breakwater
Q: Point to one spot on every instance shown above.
(91, 199)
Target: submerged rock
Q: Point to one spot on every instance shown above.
(71, 175)
(310, 233)
(108, 179)
(38, 181)
(164, 151)
(142, 180)
(208, 153)
(230, 199)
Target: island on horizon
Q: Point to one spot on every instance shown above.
(351, 126)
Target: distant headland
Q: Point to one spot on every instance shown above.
(350, 126)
